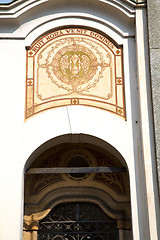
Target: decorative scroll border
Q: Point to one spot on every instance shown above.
(32, 108)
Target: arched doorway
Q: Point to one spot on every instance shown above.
(76, 176)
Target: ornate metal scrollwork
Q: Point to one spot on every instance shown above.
(77, 221)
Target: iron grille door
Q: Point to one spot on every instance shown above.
(77, 221)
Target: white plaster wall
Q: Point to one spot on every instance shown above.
(12, 90)
(19, 138)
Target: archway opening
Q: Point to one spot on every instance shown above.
(77, 173)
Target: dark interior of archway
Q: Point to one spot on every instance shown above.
(54, 154)
(78, 155)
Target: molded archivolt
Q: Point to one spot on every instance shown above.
(30, 15)
(44, 192)
(18, 7)
(73, 138)
(57, 152)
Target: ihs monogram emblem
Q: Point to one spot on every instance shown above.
(75, 67)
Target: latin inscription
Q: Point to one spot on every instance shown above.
(59, 33)
(74, 66)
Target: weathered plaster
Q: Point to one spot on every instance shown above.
(154, 23)
(158, 167)
(154, 47)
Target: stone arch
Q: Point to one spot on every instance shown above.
(74, 138)
(47, 192)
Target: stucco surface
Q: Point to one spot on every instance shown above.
(154, 45)
(154, 23)
(155, 81)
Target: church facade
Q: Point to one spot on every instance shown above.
(79, 120)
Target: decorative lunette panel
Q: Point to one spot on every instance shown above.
(74, 67)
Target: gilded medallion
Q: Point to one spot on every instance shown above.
(73, 65)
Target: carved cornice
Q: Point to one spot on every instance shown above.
(17, 7)
(19, 1)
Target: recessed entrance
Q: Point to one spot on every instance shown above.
(65, 203)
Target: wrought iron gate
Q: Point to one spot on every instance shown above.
(77, 221)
